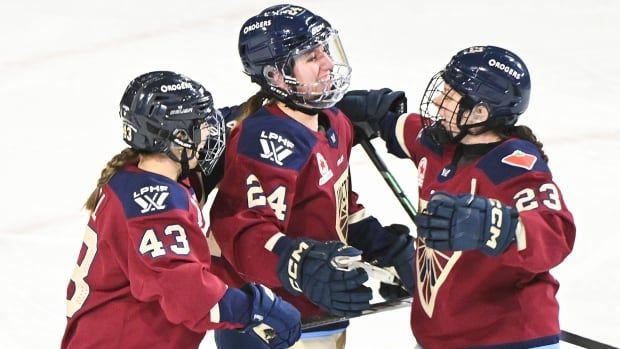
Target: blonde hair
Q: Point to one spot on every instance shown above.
(127, 156)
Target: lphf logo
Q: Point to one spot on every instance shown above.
(151, 198)
(324, 170)
(275, 147)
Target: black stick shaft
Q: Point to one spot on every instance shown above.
(388, 177)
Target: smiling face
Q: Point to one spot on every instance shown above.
(312, 69)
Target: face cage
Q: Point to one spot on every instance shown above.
(429, 110)
(214, 144)
(324, 93)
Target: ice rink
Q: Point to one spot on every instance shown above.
(64, 66)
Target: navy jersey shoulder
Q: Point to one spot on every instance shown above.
(276, 140)
(511, 159)
(146, 193)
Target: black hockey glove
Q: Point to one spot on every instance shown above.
(283, 319)
(307, 266)
(399, 255)
(255, 306)
(467, 222)
(366, 108)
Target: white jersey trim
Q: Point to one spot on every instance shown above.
(357, 216)
(269, 245)
(400, 133)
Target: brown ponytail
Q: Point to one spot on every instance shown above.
(127, 156)
(525, 133)
(252, 105)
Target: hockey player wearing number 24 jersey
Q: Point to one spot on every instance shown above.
(143, 277)
(285, 213)
(492, 221)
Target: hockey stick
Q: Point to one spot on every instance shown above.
(374, 309)
(583, 342)
(387, 176)
(565, 336)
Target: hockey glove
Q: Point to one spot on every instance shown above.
(265, 315)
(306, 266)
(467, 222)
(366, 108)
(399, 255)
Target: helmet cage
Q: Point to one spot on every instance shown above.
(214, 144)
(437, 105)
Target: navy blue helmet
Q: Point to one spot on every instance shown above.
(270, 43)
(483, 75)
(162, 110)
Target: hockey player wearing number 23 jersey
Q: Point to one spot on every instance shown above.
(492, 222)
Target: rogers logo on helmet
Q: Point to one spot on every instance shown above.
(503, 67)
(182, 86)
(256, 25)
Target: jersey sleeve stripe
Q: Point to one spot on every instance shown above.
(272, 241)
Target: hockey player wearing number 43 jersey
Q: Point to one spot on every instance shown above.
(143, 277)
(492, 222)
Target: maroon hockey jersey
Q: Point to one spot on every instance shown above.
(468, 299)
(281, 177)
(142, 278)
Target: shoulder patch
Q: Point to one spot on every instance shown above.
(144, 193)
(520, 159)
(511, 159)
(276, 140)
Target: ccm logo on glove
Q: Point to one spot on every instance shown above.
(293, 265)
(496, 223)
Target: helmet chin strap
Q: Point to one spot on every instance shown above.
(184, 165)
(183, 161)
(285, 97)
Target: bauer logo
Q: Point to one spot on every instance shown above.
(505, 68)
(257, 25)
(182, 86)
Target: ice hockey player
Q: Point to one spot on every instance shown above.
(493, 221)
(142, 279)
(285, 213)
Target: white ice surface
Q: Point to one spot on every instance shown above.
(64, 65)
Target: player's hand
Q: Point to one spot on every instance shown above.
(272, 319)
(399, 255)
(366, 108)
(467, 222)
(308, 267)
(262, 314)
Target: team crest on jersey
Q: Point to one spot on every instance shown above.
(341, 190)
(275, 147)
(433, 267)
(324, 170)
(151, 198)
(520, 159)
